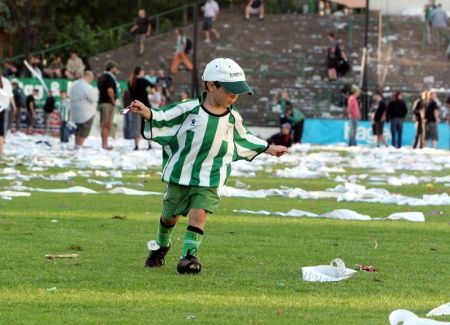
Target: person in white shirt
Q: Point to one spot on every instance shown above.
(6, 99)
(210, 14)
(83, 106)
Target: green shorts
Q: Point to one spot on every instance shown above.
(179, 199)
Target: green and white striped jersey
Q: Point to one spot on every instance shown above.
(199, 146)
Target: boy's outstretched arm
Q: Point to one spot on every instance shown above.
(276, 150)
(138, 108)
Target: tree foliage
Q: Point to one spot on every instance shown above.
(80, 31)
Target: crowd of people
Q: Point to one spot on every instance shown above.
(425, 111)
(155, 89)
(78, 110)
(73, 69)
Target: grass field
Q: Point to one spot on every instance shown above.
(251, 264)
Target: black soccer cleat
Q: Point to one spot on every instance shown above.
(156, 256)
(189, 264)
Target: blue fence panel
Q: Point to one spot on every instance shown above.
(322, 131)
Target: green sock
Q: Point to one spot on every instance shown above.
(164, 234)
(192, 239)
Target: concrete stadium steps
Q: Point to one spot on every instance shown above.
(288, 52)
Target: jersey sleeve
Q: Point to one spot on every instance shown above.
(166, 121)
(247, 146)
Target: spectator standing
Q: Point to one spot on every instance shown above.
(428, 11)
(282, 138)
(419, 107)
(210, 14)
(31, 109)
(432, 120)
(181, 52)
(75, 67)
(138, 88)
(107, 85)
(55, 68)
(254, 7)
(333, 55)
(82, 106)
(49, 107)
(296, 119)
(353, 114)
(379, 117)
(64, 110)
(396, 112)
(141, 30)
(439, 23)
(19, 99)
(6, 101)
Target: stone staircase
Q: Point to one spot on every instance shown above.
(287, 52)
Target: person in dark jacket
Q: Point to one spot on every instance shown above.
(138, 88)
(379, 117)
(396, 112)
(419, 117)
(282, 138)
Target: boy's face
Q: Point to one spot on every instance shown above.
(221, 96)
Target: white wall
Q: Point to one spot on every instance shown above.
(396, 7)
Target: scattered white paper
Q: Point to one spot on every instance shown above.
(336, 271)
(340, 214)
(345, 214)
(15, 194)
(73, 189)
(440, 311)
(406, 317)
(129, 191)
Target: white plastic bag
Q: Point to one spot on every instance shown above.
(336, 271)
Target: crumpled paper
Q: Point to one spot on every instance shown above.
(340, 214)
(440, 311)
(336, 271)
(129, 191)
(406, 317)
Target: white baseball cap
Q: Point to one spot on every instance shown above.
(228, 74)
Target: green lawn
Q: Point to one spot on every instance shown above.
(251, 264)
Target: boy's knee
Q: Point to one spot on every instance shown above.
(170, 221)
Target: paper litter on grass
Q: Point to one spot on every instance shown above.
(440, 311)
(73, 189)
(15, 194)
(129, 191)
(406, 317)
(334, 272)
(339, 214)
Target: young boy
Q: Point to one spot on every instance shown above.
(200, 139)
(65, 113)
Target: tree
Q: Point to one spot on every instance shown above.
(9, 21)
(78, 30)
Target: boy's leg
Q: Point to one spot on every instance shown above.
(163, 242)
(194, 232)
(189, 263)
(175, 203)
(165, 229)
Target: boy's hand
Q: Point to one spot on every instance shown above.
(276, 150)
(138, 108)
